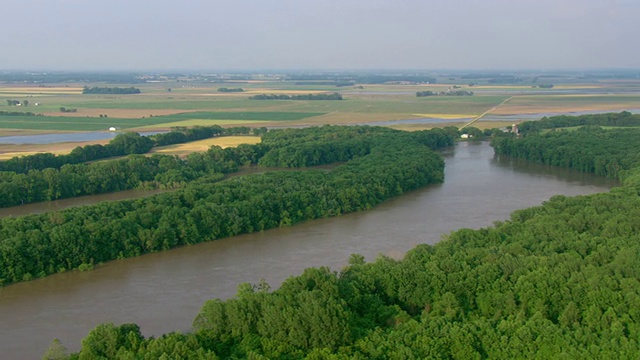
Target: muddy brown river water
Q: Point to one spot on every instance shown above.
(163, 292)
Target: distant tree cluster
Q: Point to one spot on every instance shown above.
(18, 113)
(444, 93)
(110, 90)
(67, 110)
(332, 96)
(230, 90)
(12, 102)
(505, 79)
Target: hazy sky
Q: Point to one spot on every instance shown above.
(319, 34)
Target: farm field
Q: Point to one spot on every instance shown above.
(163, 105)
(7, 151)
(204, 145)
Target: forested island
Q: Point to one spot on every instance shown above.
(332, 96)
(379, 163)
(556, 280)
(110, 90)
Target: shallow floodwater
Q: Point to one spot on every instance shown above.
(64, 137)
(163, 292)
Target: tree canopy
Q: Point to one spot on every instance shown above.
(560, 280)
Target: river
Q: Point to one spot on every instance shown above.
(163, 292)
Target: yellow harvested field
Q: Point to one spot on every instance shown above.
(204, 145)
(40, 90)
(7, 151)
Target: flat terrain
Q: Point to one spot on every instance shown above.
(162, 106)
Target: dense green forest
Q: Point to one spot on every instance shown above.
(604, 152)
(560, 280)
(622, 119)
(332, 96)
(378, 164)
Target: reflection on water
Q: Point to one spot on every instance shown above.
(163, 292)
(65, 137)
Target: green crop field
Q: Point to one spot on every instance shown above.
(92, 124)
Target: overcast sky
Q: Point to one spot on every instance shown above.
(318, 34)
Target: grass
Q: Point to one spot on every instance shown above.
(569, 103)
(204, 122)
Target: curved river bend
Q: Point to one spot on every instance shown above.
(163, 292)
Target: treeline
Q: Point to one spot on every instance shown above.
(604, 152)
(110, 90)
(122, 144)
(332, 96)
(624, 118)
(396, 162)
(230, 90)
(555, 281)
(18, 113)
(444, 93)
